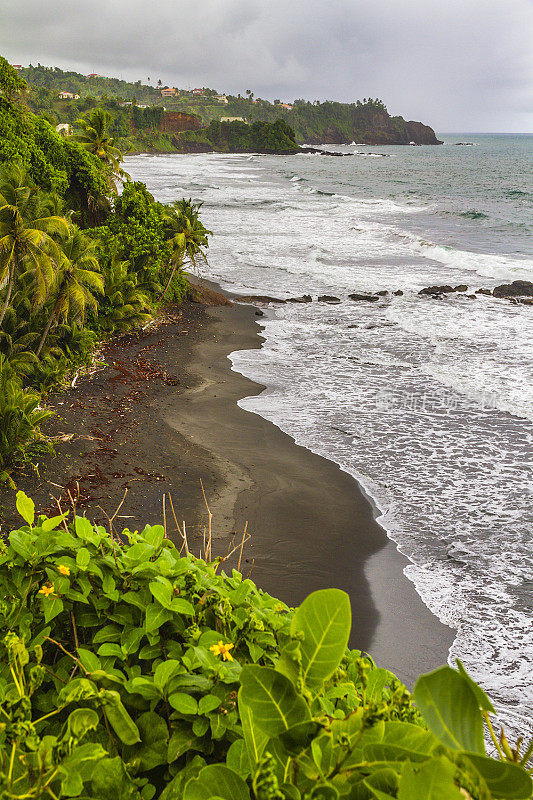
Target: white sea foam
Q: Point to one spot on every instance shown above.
(427, 403)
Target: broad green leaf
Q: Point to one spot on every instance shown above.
(299, 736)
(383, 783)
(110, 649)
(26, 508)
(110, 781)
(254, 738)
(208, 703)
(165, 671)
(118, 717)
(154, 535)
(151, 751)
(49, 524)
(450, 709)
(53, 606)
(22, 543)
(402, 741)
(432, 780)
(274, 703)
(184, 703)
(181, 741)
(89, 660)
(217, 781)
(482, 699)
(85, 531)
(325, 618)
(81, 721)
(504, 780)
(290, 661)
(237, 759)
(174, 789)
(181, 606)
(162, 592)
(155, 617)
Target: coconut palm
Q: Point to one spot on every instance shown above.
(124, 304)
(77, 281)
(186, 235)
(26, 231)
(95, 138)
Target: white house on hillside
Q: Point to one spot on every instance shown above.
(64, 129)
(68, 96)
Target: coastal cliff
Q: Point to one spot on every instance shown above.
(369, 126)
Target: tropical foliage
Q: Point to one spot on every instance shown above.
(238, 137)
(63, 281)
(131, 670)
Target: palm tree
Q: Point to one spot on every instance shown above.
(186, 235)
(95, 138)
(78, 280)
(26, 230)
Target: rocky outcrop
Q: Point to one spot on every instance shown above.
(420, 133)
(370, 298)
(328, 298)
(514, 289)
(433, 290)
(374, 127)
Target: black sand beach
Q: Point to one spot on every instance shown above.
(163, 415)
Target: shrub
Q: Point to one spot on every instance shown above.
(129, 671)
(20, 421)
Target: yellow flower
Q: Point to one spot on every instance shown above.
(63, 569)
(47, 589)
(223, 650)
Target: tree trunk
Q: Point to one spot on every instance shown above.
(8, 295)
(46, 331)
(168, 284)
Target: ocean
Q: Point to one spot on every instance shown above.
(427, 403)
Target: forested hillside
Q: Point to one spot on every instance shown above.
(313, 122)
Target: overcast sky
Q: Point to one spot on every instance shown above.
(458, 65)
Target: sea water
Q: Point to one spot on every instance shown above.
(427, 403)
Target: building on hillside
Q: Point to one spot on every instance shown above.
(64, 129)
(285, 105)
(222, 99)
(68, 96)
(94, 75)
(197, 91)
(125, 103)
(234, 119)
(18, 67)
(170, 92)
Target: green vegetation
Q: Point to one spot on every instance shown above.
(78, 261)
(238, 137)
(132, 670)
(315, 122)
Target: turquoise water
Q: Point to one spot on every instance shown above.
(428, 403)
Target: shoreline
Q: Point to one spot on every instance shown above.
(309, 514)
(163, 415)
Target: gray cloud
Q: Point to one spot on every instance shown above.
(457, 65)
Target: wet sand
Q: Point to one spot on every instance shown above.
(162, 414)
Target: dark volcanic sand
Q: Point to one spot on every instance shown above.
(163, 415)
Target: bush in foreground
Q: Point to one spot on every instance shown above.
(129, 671)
